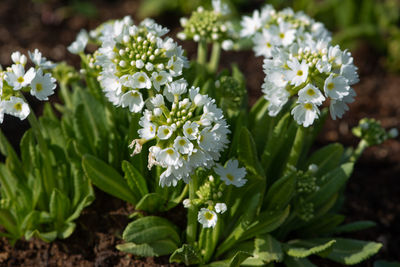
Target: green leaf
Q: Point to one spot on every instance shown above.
(47, 236)
(107, 179)
(266, 222)
(235, 261)
(268, 249)
(8, 221)
(281, 192)
(152, 202)
(298, 262)
(326, 158)
(59, 205)
(301, 249)
(154, 249)
(332, 183)
(135, 179)
(186, 254)
(66, 230)
(355, 226)
(348, 251)
(248, 154)
(149, 229)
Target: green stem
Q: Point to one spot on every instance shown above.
(191, 229)
(362, 145)
(212, 240)
(48, 182)
(297, 147)
(215, 56)
(202, 52)
(65, 95)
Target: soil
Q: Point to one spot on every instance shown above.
(373, 192)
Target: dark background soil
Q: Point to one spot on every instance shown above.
(373, 192)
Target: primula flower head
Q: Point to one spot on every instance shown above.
(188, 135)
(207, 218)
(134, 59)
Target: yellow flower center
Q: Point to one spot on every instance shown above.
(330, 86)
(269, 45)
(310, 92)
(281, 35)
(189, 130)
(166, 131)
(20, 79)
(230, 177)
(141, 79)
(208, 215)
(159, 78)
(170, 152)
(18, 106)
(299, 73)
(39, 87)
(308, 106)
(182, 142)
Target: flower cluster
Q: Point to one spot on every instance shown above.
(208, 25)
(211, 192)
(133, 58)
(313, 71)
(269, 29)
(15, 79)
(190, 133)
(372, 132)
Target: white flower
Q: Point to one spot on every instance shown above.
(183, 145)
(164, 132)
(231, 173)
(141, 80)
(42, 86)
(227, 45)
(80, 43)
(336, 87)
(186, 203)
(132, 99)
(190, 130)
(338, 107)
(220, 7)
(148, 131)
(284, 33)
(18, 78)
(157, 101)
(250, 25)
(349, 71)
(264, 43)
(168, 156)
(311, 94)
(18, 58)
(2, 110)
(220, 208)
(305, 113)
(17, 107)
(40, 61)
(207, 218)
(298, 73)
(160, 78)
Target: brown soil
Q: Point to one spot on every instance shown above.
(373, 192)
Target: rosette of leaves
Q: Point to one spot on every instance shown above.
(41, 196)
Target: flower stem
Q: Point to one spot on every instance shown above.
(65, 95)
(362, 145)
(191, 229)
(202, 52)
(215, 56)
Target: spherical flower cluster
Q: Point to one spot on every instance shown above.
(15, 79)
(190, 133)
(133, 58)
(269, 29)
(372, 132)
(208, 25)
(313, 71)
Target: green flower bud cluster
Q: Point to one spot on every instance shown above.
(372, 132)
(230, 92)
(305, 210)
(306, 184)
(210, 192)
